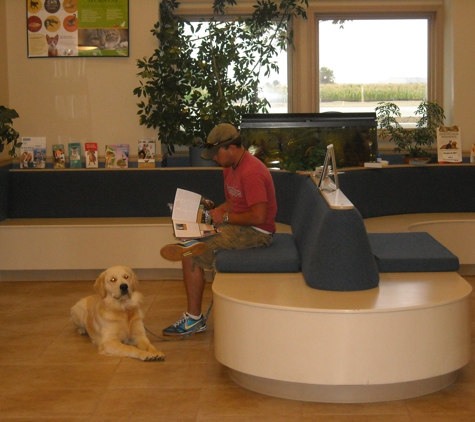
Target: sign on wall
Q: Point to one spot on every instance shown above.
(78, 28)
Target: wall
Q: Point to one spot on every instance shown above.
(91, 99)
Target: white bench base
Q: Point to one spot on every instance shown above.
(406, 338)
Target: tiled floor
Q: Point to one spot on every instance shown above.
(49, 373)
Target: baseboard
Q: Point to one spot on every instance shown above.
(86, 275)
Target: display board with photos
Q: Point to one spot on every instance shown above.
(77, 28)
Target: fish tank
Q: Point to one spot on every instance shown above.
(298, 141)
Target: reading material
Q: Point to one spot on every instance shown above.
(449, 144)
(90, 152)
(146, 153)
(75, 160)
(190, 218)
(33, 153)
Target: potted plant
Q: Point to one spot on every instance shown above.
(207, 73)
(414, 142)
(8, 135)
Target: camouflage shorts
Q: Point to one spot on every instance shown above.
(231, 236)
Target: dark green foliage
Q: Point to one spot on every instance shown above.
(8, 135)
(411, 141)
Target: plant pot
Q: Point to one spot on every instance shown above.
(197, 161)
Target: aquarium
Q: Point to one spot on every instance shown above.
(298, 141)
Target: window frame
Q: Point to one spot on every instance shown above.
(305, 93)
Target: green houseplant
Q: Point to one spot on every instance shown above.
(8, 135)
(206, 73)
(413, 142)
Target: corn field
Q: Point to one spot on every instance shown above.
(373, 92)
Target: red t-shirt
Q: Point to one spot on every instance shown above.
(250, 184)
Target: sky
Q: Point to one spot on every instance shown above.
(373, 50)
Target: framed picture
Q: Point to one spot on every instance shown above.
(77, 28)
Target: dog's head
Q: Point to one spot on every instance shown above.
(117, 282)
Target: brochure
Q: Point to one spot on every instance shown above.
(90, 152)
(449, 144)
(117, 156)
(33, 153)
(75, 161)
(146, 153)
(190, 216)
(59, 158)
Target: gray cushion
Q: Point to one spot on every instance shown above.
(280, 257)
(333, 245)
(411, 252)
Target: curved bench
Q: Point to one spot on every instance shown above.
(291, 341)
(380, 344)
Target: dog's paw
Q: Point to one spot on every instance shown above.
(158, 356)
(81, 331)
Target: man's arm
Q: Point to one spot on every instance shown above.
(256, 214)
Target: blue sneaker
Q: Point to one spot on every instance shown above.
(186, 326)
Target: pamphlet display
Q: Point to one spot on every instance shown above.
(190, 216)
(90, 152)
(59, 158)
(75, 161)
(449, 144)
(146, 153)
(117, 156)
(33, 153)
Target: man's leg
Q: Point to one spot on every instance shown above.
(194, 279)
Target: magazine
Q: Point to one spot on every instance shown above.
(190, 216)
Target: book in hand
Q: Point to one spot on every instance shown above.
(190, 216)
(75, 161)
(146, 153)
(33, 153)
(90, 152)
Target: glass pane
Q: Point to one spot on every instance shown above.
(363, 62)
(274, 87)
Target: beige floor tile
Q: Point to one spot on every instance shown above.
(137, 374)
(387, 408)
(148, 403)
(49, 402)
(50, 373)
(237, 401)
(456, 399)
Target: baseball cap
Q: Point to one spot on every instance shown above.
(221, 135)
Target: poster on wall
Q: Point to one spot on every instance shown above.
(78, 28)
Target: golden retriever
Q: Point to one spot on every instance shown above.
(113, 319)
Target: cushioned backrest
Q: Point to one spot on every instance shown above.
(287, 186)
(333, 245)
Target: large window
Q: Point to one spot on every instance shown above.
(274, 86)
(365, 61)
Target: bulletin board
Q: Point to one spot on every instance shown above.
(77, 28)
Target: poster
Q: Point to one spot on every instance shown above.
(78, 28)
